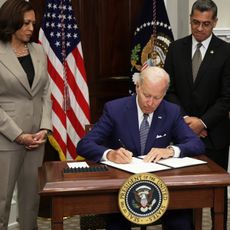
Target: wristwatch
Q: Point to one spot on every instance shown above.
(171, 148)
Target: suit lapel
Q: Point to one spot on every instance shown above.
(9, 59)
(156, 125)
(36, 64)
(132, 122)
(186, 54)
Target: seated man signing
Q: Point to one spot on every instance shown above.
(143, 124)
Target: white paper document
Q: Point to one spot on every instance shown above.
(175, 162)
(137, 166)
(78, 164)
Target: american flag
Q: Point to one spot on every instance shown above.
(59, 35)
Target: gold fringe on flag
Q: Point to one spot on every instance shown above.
(56, 146)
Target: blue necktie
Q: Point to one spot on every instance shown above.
(144, 130)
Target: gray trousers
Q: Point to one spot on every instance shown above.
(20, 167)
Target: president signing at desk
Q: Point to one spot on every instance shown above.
(143, 124)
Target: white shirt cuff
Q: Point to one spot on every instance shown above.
(176, 151)
(104, 157)
(203, 124)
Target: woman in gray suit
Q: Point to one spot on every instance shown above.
(25, 112)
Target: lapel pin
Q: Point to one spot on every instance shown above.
(211, 52)
(159, 117)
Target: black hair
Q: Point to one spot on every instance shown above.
(12, 17)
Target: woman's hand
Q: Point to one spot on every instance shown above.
(32, 141)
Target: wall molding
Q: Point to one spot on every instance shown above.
(223, 33)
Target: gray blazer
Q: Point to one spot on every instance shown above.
(22, 108)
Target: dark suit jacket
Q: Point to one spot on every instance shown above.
(209, 96)
(120, 121)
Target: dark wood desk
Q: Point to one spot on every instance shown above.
(193, 187)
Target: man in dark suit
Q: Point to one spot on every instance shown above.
(121, 122)
(204, 97)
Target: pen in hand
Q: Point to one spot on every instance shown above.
(126, 152)
(121, 143)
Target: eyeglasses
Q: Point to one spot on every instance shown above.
(205, 25)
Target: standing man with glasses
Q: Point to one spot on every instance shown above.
(199, 69)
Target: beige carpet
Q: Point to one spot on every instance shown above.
(73, 222)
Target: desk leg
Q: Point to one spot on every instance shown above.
(198, 218)
(57, 213)
(218, 220)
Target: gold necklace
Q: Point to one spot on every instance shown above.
(20, 52)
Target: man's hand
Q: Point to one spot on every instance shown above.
(196, 125)
(120, 156)
(156, 154)
(203, 133)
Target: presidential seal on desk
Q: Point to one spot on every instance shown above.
(143, 198)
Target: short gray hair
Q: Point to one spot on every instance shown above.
(205, 5)
(154, 75)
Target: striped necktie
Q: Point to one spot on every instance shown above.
(144, 130)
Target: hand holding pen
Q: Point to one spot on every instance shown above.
(121, 155)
